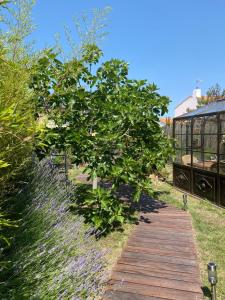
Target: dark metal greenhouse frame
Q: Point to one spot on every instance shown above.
(192, 172)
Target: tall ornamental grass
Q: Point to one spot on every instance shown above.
(54, 254)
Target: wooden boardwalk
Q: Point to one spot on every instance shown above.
(159, 261)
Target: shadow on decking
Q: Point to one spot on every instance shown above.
(125, 192)
(147, 204)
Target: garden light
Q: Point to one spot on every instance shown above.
(212, 277)
(185, 202)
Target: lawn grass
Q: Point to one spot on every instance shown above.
(74, 174)
(209, 225)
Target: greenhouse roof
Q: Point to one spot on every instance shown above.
(212, 107)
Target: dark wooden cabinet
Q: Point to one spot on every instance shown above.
(182, 178)
(222, 191)
(204, 185)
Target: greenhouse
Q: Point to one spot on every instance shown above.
(199, 165)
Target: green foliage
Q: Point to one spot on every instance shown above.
(18, 26)
(90, 28)
(4, 224)
(214, 93)
(16, 110)
(109, 122)
(100, 207)
(16, 119)
(3, 2)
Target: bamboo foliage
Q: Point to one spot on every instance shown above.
(16, 120)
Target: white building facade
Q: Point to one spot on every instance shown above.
(190, 103)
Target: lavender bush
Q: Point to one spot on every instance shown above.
(54, 255)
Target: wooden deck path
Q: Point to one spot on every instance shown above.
(159, 261)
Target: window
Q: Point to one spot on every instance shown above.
(183, 142)
(205, 143)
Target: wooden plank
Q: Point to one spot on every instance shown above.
(161, 251)
(164, 211)
(168, 226)
(136, 239)
(161, 258)
(154, 244)
(157, 272)
(168, 219)
(163, 232)
(159, 265)
(159, 261)
(162, 236)
(175, 216)
(164, 228)
(156, 281)
(157, 237)
(117, 295)
(153, 291)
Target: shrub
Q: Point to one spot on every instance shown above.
(17, 122)
(100, 207)
(16, 129)
(54, 255)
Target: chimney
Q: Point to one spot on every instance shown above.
(197, 93)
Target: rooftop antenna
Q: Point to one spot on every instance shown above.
(198, 82)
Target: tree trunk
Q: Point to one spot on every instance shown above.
(95, 181)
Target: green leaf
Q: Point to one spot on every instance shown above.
(3, 164)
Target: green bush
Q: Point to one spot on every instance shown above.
(101, 208)
(16, 131)
(17, 122)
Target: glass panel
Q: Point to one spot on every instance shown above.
(210, 143)
(206, 161)
(210, 125)
(222, 123)
(186, 127)
(198, 160)
(185, 141)
(177, 156)
(222, 144)
(197, 142)
(178, 127)
(210, 162)
(222, 164)
(186, 157)
(210, 156)
(183, 127)
(182, 141)
(189, 141)
(197, 125)
(178, 141)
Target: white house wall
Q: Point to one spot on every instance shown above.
(189, 104)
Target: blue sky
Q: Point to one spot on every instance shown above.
(169, 42)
